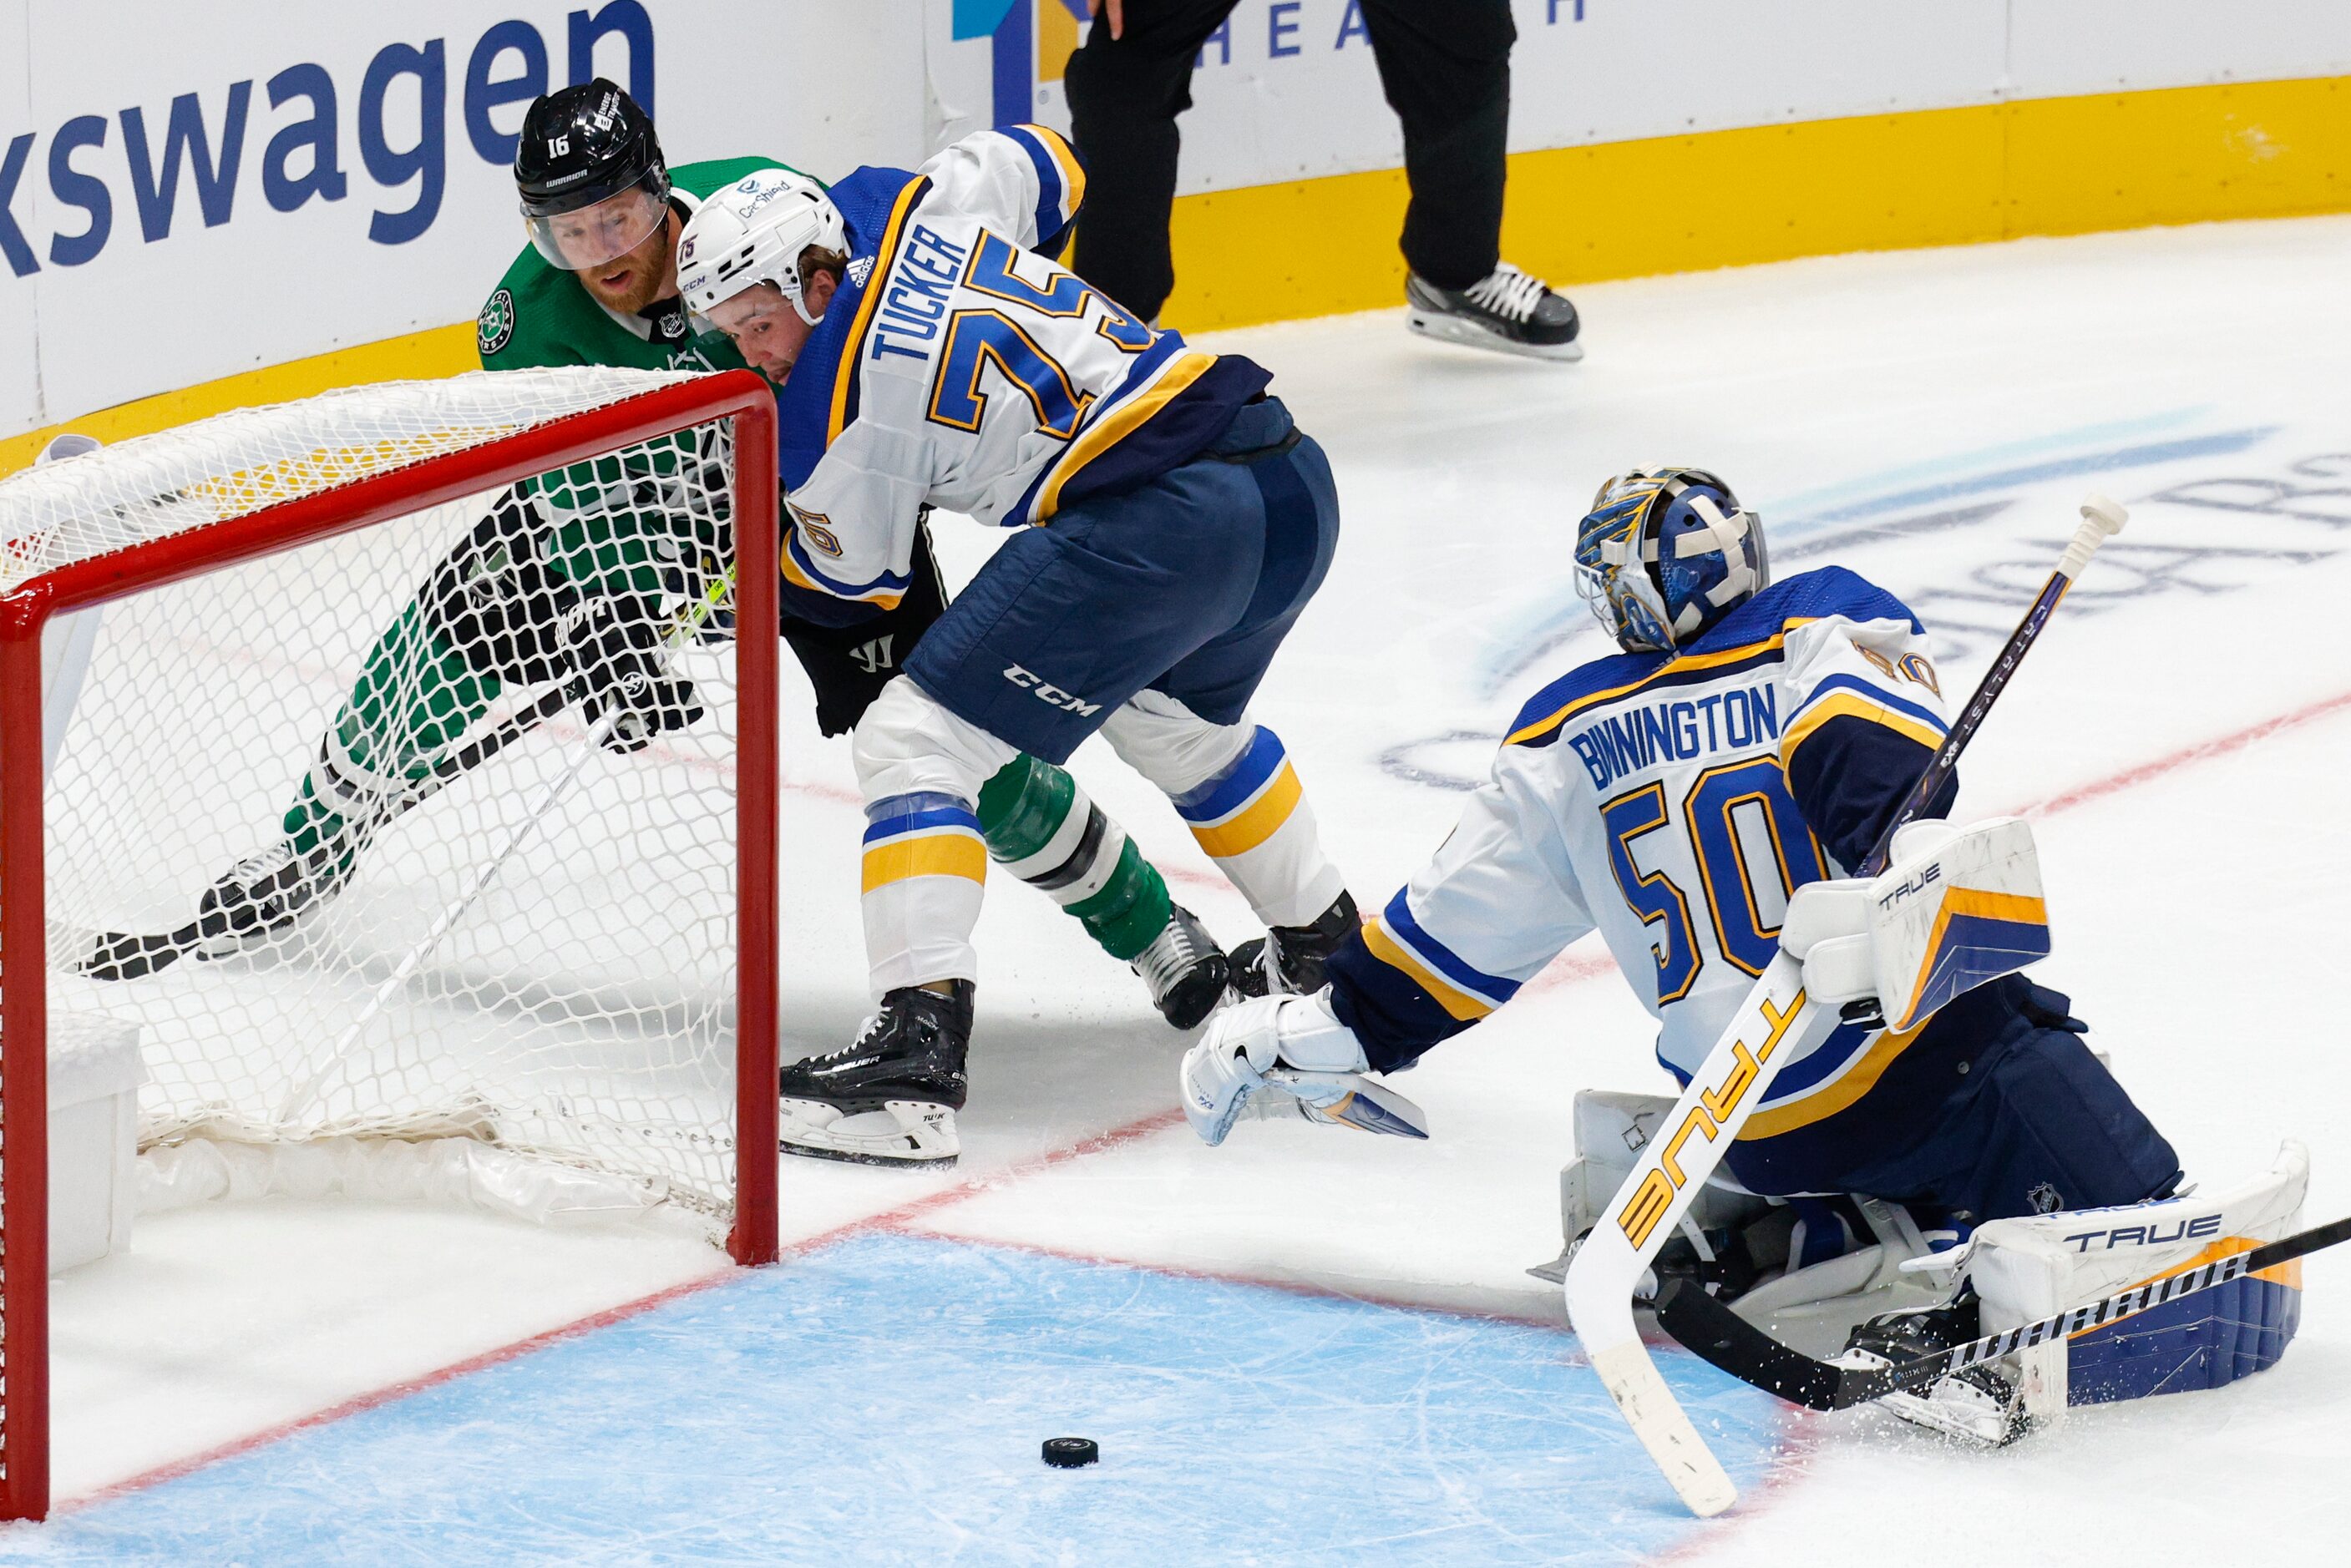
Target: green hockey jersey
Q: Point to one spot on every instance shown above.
(539, 315)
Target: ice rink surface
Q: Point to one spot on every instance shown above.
(1309, 1345)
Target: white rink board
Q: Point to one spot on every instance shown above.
(424, 222)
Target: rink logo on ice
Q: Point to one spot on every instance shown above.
(1044, 690)
(296, 132)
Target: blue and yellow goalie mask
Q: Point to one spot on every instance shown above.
(1664, 553)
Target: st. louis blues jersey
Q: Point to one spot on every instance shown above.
(1672, 802)
(959, 367)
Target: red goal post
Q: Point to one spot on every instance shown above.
(468, 462)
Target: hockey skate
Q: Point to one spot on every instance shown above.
(888, 1097)
(1976, 1405)
(1291, 958)
(1506, 310)
(1185, 970)
(259, 898)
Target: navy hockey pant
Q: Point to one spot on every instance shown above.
(2037, 1124)
(1186, 585)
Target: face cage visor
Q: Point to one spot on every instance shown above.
(1612, 578)
(588, 237)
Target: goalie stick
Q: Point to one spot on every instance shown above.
(1725, 1092)
(1720, 1337)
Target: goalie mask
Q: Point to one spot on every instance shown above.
(754, 232)
(1665, 552)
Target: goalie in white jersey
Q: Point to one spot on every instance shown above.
(1754, 738)
(1170, 522)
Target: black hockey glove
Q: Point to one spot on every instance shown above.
(617, 661)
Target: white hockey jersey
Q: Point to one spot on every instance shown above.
(960, 367)
(1672, 802)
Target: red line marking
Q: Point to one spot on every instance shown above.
(2187, 756)
(1563, 970)
(386, 1395)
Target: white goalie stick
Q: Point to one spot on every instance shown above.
(1725, 1092)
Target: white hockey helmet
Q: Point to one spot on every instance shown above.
(753, 232)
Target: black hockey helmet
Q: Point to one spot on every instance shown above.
(586, 146)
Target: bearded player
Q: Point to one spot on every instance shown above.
(559, 584)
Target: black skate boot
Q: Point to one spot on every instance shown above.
(1185, 970)
(1506, 310)
(263, 894)
(1291, 958)
(259, 898)
(1976, 1404)
(889, 1097)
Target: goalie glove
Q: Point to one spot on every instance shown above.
(1287, 1056)
(618, 671)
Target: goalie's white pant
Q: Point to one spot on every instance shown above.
(920, 769)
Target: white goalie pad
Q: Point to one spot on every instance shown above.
(2034, 1267)
(1955, 908)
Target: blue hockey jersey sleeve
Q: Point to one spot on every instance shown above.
(1865, 710)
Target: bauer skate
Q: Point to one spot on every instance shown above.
(890, 1096)
(1506, 310)
(1185, 970)
(259, 897)
(1291, 958)
(1976, 1405)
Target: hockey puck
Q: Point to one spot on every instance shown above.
(1068, 1453)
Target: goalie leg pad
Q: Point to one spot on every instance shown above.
(2028, 1268)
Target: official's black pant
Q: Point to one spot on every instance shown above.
(1446, 68)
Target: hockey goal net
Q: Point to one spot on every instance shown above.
(359, 657)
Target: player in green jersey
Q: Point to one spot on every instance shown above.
(560, 584)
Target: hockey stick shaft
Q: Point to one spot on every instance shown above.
(1732, 1345)
(1726, 1090)
(488, 871)
(2101, 520)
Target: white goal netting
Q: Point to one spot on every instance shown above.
(347, 830)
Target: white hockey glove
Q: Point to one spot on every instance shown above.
(1957, 906)
(1287, 1056)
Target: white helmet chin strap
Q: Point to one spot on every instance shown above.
(799, 297)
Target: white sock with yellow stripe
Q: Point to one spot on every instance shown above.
(926, 864)
(926, 868)
(1234, 786)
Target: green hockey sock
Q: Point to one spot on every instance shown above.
(1041, 827)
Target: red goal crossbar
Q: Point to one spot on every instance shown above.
(739, 396)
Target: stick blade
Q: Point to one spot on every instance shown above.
(1657, 1418)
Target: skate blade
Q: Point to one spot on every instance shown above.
(1468, 334)
(902, 1132)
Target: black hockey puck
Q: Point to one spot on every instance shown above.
(1068, 1453)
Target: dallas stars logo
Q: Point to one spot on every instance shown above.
(497, 324)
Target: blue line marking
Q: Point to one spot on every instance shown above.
(883, 1401)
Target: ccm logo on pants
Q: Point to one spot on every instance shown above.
(1045, 691)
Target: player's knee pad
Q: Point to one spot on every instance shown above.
(2036, 1266)
(907, 743)
(495, 604)
(1171, 746)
